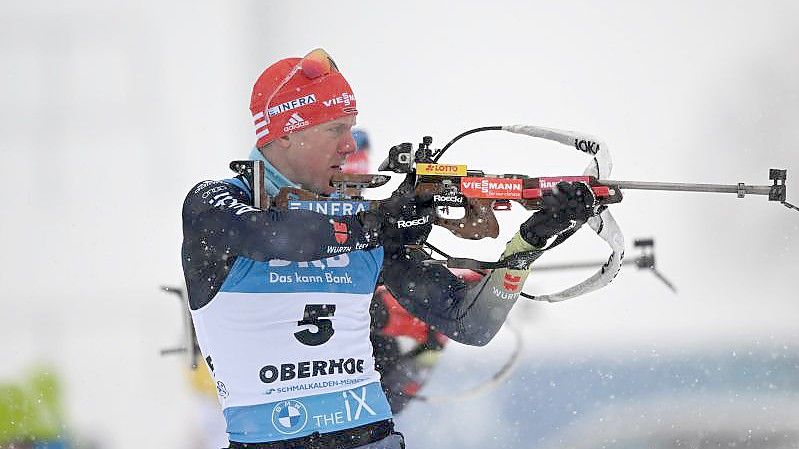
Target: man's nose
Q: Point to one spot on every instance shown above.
(347, 144)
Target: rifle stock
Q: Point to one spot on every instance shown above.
(479, 220)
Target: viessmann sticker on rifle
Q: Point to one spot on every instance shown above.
(440, 169)
(498, 188)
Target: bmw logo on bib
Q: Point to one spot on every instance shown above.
(289, 417)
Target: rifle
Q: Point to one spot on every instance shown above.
(480, 195)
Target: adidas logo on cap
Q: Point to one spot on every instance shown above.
(295, 122)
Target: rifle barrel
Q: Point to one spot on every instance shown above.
(739, 189)
(576, 265)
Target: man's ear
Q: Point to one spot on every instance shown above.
(283, 142)
(275, 145)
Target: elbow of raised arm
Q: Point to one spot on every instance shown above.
(474, 335)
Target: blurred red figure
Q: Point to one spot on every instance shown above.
(406, 349)
(358, 162)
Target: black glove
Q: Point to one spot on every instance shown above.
(567, 203)
(403, 219)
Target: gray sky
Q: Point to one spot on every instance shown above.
(112, 110)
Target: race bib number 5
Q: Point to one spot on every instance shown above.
(316, 315)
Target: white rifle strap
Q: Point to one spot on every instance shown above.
(603, 224)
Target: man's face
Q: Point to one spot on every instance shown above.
(317, 153)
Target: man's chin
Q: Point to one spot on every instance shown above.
(328, 189)
(321, 190)
(317, 188)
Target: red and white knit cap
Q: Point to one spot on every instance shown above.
(296, 93)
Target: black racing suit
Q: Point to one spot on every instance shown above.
(224, 235)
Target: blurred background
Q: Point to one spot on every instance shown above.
(112, 110)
